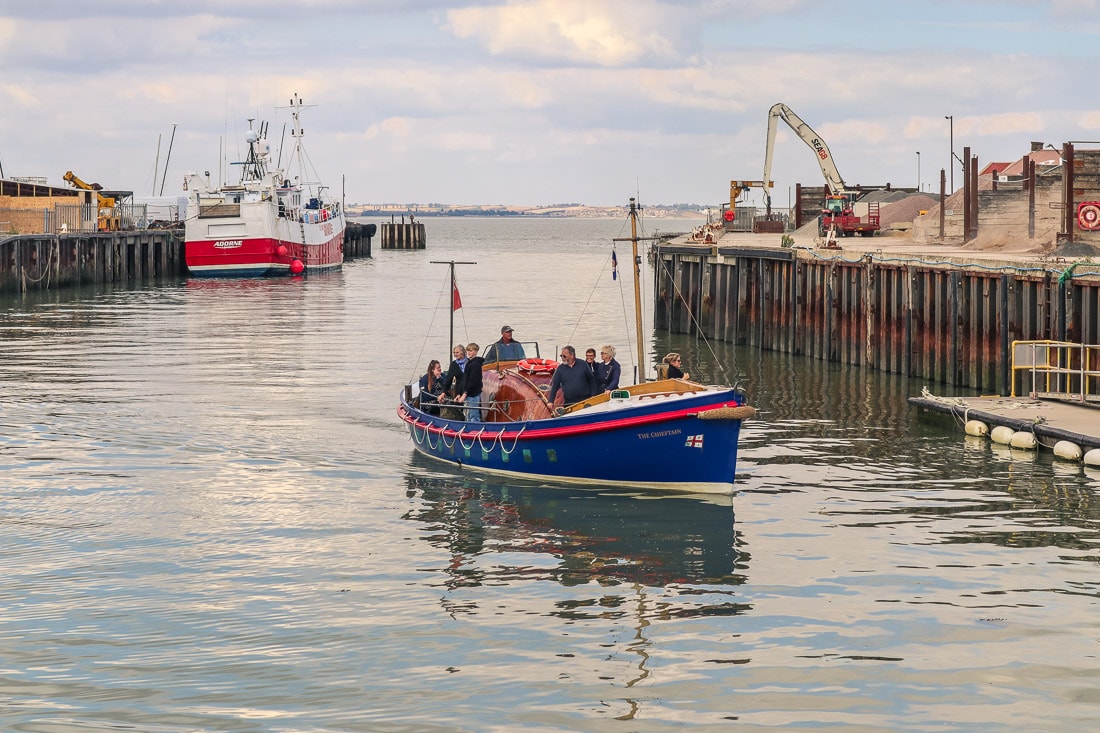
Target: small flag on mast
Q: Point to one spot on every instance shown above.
(614, 266)
(456, 299)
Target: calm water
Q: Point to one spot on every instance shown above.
(211, 520)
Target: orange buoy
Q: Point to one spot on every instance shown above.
(536, 365)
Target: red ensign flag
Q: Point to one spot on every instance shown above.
(456, 299)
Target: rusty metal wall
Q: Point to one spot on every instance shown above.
(951, 324)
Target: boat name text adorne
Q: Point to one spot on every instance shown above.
(659, 434)
(228, 243)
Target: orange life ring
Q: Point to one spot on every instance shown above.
(537, 365)
(1088, 215)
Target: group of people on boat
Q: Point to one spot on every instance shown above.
(461, 385)
(578, 380)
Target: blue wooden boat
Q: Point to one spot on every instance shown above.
(668, 433)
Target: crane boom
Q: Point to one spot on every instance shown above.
(817, 144)
(108, 219)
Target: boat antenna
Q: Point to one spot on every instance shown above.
(156, 166)
(282, 142)
(634, 239)
(168, 157)
(456, 303)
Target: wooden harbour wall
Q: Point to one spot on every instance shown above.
(45, 261)
(50, 261)
(404, 236)
(947, 322)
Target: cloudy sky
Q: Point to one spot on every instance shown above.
(530, 102)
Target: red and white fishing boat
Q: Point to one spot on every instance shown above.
(271, 222)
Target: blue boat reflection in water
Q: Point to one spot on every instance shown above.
(590, 535)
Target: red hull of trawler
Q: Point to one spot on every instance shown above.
(261, 256)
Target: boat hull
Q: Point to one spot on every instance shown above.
(668, 444)
(261, 257)
(259, 243)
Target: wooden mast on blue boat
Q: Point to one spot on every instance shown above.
(634, 239)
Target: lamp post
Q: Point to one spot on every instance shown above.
(918, 171)
(951, 161)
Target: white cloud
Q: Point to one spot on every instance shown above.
(610, 33)
(569, 99)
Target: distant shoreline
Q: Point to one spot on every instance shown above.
(544, 212)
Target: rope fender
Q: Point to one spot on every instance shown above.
(741, 412)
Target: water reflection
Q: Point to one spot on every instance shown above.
(511, 531)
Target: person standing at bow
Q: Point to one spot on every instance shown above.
(455, 381)
(472, 384)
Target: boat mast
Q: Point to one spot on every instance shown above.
(451, 263)
(637, 290)
(634, 239)
(296, 133)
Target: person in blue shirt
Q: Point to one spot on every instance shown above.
(505, 349)
(572, 378)
(455, 378)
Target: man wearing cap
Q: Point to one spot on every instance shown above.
(505, 349)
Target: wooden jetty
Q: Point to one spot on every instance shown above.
(50, 261)
(1049, 421)
(404, 235)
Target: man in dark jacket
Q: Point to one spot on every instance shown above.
(573, 378)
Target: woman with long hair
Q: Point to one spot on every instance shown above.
(431, 388)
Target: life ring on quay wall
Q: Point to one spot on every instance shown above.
(1088, 215)
(537, 365)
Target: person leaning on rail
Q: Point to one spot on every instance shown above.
(431, 388)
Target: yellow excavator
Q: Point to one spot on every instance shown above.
(108, 219)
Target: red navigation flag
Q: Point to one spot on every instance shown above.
(456, 299)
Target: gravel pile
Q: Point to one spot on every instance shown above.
(904, 209)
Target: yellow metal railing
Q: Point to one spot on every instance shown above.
(1056, 370)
